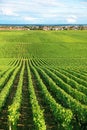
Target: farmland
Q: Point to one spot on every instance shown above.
(43, 80)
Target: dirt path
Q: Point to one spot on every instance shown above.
(26, 119)
(49, 119)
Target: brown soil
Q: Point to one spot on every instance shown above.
(51, 124)
(26, 118)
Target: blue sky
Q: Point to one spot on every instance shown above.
(43, 11)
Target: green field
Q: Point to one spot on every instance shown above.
(43, 80)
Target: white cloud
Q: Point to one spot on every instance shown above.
(73, 16)
(43, 10)
(32, 19)
(71, 20)
(8, 12)
(48, 2)
(27, 18)
(49, 15)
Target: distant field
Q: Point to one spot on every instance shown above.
(43, 80)
(63, 46)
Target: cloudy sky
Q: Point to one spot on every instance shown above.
(43, 11)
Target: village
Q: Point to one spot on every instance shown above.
(45, 28)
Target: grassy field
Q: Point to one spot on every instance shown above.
(40, 44)
(66, 47)
(43, 80)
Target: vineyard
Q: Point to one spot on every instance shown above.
(43, 80)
